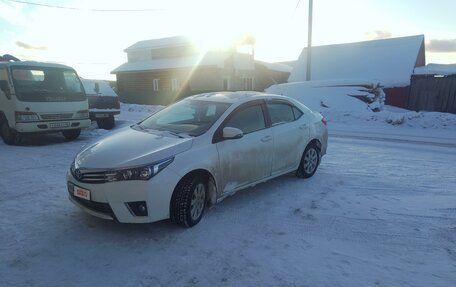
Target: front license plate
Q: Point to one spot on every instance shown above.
(59, 125)
(101, 115)
(81, 192)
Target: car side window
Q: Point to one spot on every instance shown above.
(297, 113)
(248, 120)
(280, 113)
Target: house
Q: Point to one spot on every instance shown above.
(161, 71)
(389, 62)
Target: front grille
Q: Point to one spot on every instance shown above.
(52, 117)
(100, 207)
(93, 176)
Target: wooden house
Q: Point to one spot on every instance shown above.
(161, 71)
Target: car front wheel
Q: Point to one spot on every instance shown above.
(71, 134)
(309, 162)
(189, 201)
(106, 123)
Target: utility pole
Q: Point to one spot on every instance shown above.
(309, 42)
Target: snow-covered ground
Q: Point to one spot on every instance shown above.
(380, 211)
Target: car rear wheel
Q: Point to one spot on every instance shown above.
(10, 136)
(189, 201)
(71, 134)
(309, 162)
(106, 123)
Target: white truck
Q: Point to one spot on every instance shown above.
(38, 97)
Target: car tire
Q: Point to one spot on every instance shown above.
(10, 136)
(71, 134)
(189, 201)
(309, 162)
(107, 123)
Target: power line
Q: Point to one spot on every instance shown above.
(82, 9)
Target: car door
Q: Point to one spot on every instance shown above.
(290, 132)
(249, 158)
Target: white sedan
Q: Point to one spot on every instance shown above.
(195, 153)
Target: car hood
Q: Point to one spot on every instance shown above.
(129, 147)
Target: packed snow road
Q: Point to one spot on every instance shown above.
(376, 213)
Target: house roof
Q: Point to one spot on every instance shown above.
(168, 42)
(436, 69)
(216, 59)
(388, 61)
(279, 67)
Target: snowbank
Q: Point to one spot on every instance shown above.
(323, 95)
(335, 101)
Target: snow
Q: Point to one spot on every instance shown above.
(389, 61)
(380, 211)
(436, 69)
(168, 42)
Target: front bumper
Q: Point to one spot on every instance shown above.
(52, 126)
(111, 200)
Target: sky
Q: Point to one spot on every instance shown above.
(91, 36)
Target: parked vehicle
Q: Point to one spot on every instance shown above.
(195, 153)
(39, 98)
(103, 102)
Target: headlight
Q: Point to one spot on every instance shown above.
(138, 173)
(26, 117)
(84, 114)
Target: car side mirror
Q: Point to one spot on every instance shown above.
(232, 133)
(5, 88)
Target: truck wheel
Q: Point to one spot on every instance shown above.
(107, 123)
(10, 136)
(71, 134)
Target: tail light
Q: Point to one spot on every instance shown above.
(323, 120)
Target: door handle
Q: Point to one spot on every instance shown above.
(266, 139)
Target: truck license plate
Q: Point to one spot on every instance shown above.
(59, 125)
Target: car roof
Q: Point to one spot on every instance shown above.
(235, 97)
(35, 64)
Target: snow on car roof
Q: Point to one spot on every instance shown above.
(233, 97)
(105, 88)
(389, 61)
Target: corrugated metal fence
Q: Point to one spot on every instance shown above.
(433, 93)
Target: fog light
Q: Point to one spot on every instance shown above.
(137, 208)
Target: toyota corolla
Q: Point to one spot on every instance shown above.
(193, 154)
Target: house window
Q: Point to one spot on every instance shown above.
(175, 85)
(248, 84)
(155, 84)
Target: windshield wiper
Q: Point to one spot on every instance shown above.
(176, 134)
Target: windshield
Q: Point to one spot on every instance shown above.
(192, 117)
(46, 84)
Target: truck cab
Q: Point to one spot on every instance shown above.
(38, 97)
